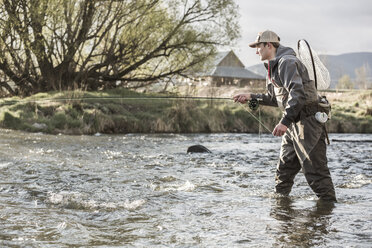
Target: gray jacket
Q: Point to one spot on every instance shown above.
(290, 88)
(288, 84)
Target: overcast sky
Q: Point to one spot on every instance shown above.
(330, 26)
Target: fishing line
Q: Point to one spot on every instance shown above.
(260, 122)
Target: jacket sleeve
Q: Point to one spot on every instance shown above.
(292, 82)
(267, 99)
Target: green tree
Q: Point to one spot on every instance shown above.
(345, 83)
(91, 44)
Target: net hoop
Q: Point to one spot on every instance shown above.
(315, 67)
(312, 59)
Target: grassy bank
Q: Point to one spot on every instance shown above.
(351, 111)
(123, 111)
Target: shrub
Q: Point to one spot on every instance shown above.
(59, 120)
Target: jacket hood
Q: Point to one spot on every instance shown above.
(280, 52)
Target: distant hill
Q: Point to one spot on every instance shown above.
(338, 65)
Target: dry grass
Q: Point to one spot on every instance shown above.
(351, 112)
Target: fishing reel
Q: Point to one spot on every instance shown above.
(253, 104)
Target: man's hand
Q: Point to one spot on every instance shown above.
(242, 98)
(280, 130)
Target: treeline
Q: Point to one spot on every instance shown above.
(54, 45)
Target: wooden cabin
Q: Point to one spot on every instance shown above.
(228, 70)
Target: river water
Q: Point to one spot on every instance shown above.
(144, 190)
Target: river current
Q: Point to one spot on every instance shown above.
(144, 190)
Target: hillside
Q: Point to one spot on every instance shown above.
(339, 65)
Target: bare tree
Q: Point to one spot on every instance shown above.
(91, 44)
(363, 75)
(345, 83)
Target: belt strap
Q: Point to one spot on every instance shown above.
(326, 133)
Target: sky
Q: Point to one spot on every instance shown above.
(331, 27)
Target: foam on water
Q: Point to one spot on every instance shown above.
(75, 200)
(4, 165)
(165, 187)
(357, 181)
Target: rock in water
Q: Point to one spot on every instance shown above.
(198, 148)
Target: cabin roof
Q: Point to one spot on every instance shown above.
(234, 72)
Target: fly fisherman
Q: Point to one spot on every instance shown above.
(303, 143)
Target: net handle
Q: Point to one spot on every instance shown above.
(312, 60)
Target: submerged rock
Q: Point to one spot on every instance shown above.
(198, 149)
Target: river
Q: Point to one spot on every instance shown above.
(144, 190)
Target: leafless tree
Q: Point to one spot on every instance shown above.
(363, 75)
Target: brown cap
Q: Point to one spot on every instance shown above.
(265, 36)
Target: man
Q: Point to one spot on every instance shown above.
(303, 143)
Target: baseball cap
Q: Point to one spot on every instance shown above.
(265, 36)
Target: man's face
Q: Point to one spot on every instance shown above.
(262, 51)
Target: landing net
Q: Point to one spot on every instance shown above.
(311, 60)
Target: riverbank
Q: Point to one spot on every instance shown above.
(124, 111)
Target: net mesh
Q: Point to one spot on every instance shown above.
(323, 79)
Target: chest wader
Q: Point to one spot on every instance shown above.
(303, 146)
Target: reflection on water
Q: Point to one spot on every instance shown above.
(305, 227)
(145, 191)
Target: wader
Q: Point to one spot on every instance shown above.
(303, 146)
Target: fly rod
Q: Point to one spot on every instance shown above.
(119, 98)
(140, 98)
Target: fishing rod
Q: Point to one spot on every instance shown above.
(115, 98)
(253, 104)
